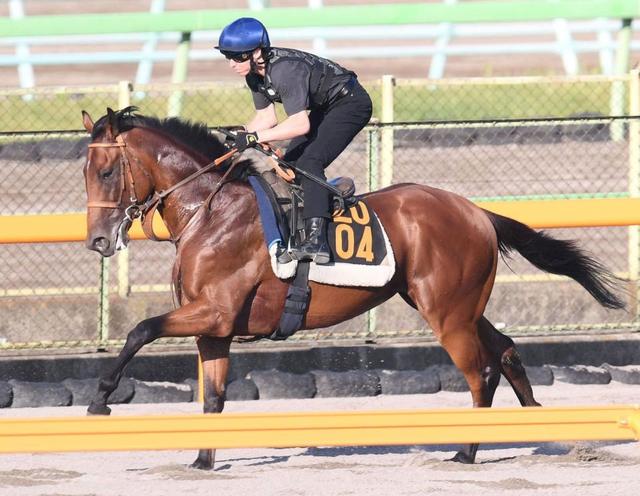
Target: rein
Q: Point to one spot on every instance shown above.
(146, 209)
(149, 208)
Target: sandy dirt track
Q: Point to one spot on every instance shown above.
(588, 469)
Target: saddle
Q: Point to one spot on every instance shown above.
(361, 252)
(287, 202)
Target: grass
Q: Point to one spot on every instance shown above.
(226, 106)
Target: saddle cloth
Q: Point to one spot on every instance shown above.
(361, 252)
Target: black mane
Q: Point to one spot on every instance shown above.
(193, 134)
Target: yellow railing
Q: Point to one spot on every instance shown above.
(617, 206)
(535, 213)
(279, 430)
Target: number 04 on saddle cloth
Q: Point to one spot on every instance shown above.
(361, 254)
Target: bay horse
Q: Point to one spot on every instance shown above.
(446, 252)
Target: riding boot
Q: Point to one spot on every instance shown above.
(315, 246)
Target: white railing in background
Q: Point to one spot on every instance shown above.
(561, 34)
(25, 69)
(145, 67)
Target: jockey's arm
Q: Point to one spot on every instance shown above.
(263, 119)
(293, 126)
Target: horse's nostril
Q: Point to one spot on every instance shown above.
(100, 244)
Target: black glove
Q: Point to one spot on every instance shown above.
(229, 132)
(245, 140)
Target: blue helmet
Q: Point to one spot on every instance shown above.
(243, 35)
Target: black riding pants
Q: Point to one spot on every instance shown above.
(332, 129)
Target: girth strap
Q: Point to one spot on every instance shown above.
(295, 304)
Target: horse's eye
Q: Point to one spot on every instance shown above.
(106, 174)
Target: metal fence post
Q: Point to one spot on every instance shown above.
(618, 87)
(124, 100)
(103, 307)
(373, 158)
(634, 187)
(179, 75)
(386, 144)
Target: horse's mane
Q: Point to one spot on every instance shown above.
(195, 135)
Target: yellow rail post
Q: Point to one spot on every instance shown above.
(386, 141)
(305, 429)
(634, 187)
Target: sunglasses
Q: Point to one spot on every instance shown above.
(237, 56)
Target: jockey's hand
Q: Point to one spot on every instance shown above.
(245, 140)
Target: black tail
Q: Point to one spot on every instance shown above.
(562, 257)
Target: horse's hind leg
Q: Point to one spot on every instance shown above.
(481, 370)
(214, 353)
(504, 349)
(457, 330)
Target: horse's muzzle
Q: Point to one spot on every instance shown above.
(101, 245)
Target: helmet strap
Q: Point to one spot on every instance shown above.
(255, 66)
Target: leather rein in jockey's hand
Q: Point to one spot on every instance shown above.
(272, 153)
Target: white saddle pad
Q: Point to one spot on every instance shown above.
(342, 274)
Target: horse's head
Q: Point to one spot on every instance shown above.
(116, 182)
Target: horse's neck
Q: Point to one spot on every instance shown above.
(181, 205)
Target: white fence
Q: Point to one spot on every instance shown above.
(566, 39)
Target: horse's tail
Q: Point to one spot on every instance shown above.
(562, 257)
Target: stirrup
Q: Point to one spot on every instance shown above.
(283, 256)
(319, 258)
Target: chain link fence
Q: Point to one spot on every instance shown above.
(543, 138)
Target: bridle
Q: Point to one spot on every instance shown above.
(125, 169)
(145, 209)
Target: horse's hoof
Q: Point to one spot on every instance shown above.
(462, 458)
(201, 465)
(98, 409)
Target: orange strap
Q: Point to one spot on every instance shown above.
(287, 174)
(147, 223)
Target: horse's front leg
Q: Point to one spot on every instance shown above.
(145, 332)
(193, 319)
(214, 354)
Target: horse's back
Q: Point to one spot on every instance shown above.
(433, 229)
(412, 205)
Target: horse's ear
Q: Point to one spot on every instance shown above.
(87, 121)
(112, 124)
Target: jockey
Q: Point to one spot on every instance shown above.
(325, 105)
